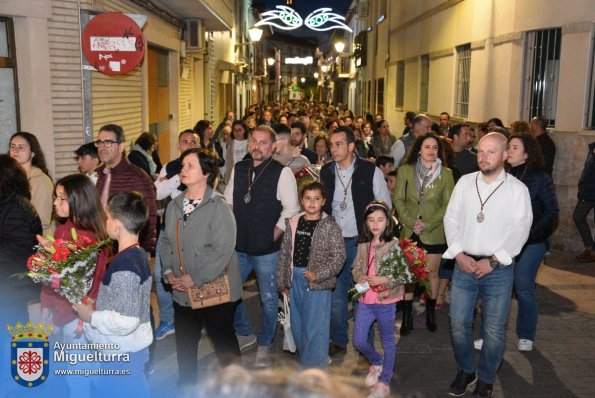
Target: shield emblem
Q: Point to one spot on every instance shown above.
(30, 362)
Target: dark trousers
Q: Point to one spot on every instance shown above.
(581, 212)
(219, 323)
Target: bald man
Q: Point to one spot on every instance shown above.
(487, 222)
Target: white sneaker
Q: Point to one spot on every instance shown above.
(263, 356)
(246, 341)
(373, 375)
(478, 344)
(525, 345)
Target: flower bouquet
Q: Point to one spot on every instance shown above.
(405, 264)
(304, 176)
(66, 266)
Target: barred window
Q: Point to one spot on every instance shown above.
(9, 100)
(380, 96)
(424, 82)
(462, 81)
(591, 115)
(542, 71)
(400, 97)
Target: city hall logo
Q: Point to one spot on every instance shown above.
(30, 353)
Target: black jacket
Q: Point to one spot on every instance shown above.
(586, 184)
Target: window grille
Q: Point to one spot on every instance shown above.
(400, 96)
(542, 70)
(462, 81)
(424, 82)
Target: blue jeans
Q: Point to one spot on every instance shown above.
(265, 268)
(365, 316)
(164, 298)
(310, 321)
(495, 290)
(339, 299)
(525, 272)
(124, 386)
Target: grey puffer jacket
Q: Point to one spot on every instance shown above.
(327, 254)
(207, 243)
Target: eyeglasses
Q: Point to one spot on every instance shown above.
(19, 147)
(59, 198)
(106, 143)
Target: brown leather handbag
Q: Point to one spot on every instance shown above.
(210, 293)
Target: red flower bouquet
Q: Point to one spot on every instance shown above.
(67, 266)
(405, 264)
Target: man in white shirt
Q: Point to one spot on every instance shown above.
(262, 193)
(486, 224)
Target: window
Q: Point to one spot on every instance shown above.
(424, 82)
(9, 101)
(462, 82)
(380, 96)
(400, 95)
(542, 70)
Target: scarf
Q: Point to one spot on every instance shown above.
(424, 176)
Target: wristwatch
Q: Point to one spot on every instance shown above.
(494, 263)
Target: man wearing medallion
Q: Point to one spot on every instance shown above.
(486, 223)
(352, 183)
(263, 194)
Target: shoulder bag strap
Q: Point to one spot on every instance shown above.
(178, 245)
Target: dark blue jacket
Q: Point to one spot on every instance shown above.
(586, 184)
(543, 202)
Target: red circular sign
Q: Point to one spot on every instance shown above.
(113, 43)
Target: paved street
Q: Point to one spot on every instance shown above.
(562, 363)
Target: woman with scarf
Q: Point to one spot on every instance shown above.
(142, 154)
(423, 189)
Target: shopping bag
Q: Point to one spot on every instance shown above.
(285, 320)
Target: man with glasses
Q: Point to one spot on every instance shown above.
(263, 194)
(119, 175)
(169, 187)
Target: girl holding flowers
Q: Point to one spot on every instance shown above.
(378, 303)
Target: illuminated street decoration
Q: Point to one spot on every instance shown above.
(286, 18)
(317, 20)
(299, 61)
(284, 14)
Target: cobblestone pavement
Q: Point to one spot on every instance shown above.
(562, 363)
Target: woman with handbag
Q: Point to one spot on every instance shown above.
(423, 189)
(198, 260)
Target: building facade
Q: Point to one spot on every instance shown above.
(478, 59)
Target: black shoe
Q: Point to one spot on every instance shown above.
(461, 383)
(407, 325)
(483, 389)
(431, 315)
(334, 349)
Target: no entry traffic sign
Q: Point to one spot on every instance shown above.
(113, 43)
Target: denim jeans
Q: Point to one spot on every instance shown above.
(495, 290)
(265, 268)
(525, 272)
(164, 298)
(339, 299)
(134, 384)
(310, 321)
(365, 316)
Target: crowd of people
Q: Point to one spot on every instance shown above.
(310, 198)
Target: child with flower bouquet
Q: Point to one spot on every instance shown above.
(377, 303)
(77, 203)
(74, 244)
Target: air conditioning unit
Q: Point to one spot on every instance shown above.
(194, 35)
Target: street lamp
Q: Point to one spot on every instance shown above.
(316, 75)
(340, 46)
(271, 61)
(324, 68)
(303, 80)
(255, 34)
